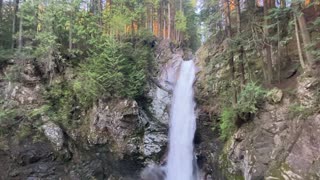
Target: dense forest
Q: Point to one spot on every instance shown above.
(94, 72)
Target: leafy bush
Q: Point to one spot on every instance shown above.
(249, 99)
(227, 124)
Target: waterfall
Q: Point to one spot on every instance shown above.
(180, 165)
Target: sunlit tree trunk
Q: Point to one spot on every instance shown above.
(160, 19)
(299, 43)
(305, 36)
(169, 20)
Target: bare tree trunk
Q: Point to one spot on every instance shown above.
(241, 51)
(14, 22)
(267, 46)
(283, 3)
(305, 37)
(70, 35)
(169, 20)
(20, 41)
(164, 23)
(230, 61)
(160, 20)
(100, 12)
(1, 4)
(299, 43)
(151, 20)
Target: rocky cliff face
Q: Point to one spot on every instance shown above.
(116, 138)
(280, 142)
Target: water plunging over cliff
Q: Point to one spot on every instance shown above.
(182, 126)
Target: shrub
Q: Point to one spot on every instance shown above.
(250, 98)
(299, 110)
(232, 117)
(227, 122)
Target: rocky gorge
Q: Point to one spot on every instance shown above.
(122, 136)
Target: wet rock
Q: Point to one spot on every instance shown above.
(54, 134)
(117, 122)
(154, 138)
(88, 170)
(168, 69)
(153, 143)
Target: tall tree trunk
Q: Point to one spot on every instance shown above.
(160, 20)
(299, 43)
(169, 20)
(230, 58)
(92, 6)
(267, 45)
(20, 41)
(14, 23)
(283, 3)
(305, 37)
(1, 4)
(100, 12)
(151, 20)
(164, 23)
(241, 51)
(70, 34)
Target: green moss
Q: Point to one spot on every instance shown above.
(224, 164)
(227, 125)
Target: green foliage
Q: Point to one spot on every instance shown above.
(7, 114)
(191, 36)
(248, 101)
(25, 130)
(301, 111)
(181, 21)
(115, 70)
(227, 124)
(250, 97)
(35, 113)
(61, 101)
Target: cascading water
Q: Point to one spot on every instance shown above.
(180, 165)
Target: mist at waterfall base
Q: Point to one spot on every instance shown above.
(181, 163)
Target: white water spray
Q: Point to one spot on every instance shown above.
(182, 126)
